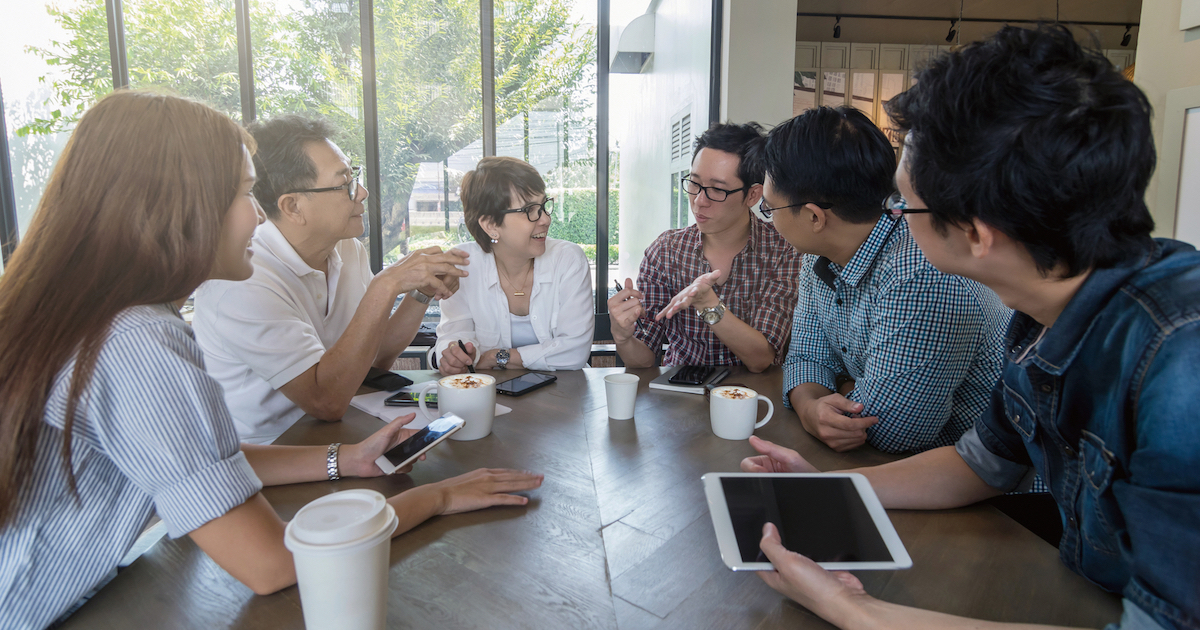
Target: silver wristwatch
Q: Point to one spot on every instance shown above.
(331, 462)
(502, 359)
(712, 314)
(420, 297)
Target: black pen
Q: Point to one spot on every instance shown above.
(618, 285)
(470, 368)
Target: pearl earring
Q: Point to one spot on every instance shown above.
(493, 238)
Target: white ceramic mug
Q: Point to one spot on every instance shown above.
(341, 543)
(471, 396)
(733, 409)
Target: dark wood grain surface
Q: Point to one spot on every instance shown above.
(617, 537)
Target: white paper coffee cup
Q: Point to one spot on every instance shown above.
(340, 545)
(620, 390)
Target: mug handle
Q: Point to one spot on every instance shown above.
(421, 400)
(770, 411)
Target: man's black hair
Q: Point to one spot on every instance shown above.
(832, 156)
(1037, 137)
(744, 141)
(281, 162)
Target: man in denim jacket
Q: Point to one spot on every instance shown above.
(1025, 168)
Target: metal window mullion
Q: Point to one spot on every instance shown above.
(487, 60)
(602, 36)
(714, 63)
(115, 18)
(245, 60)
(8, 198)
(366, 16)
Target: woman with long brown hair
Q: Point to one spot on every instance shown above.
(106, 413)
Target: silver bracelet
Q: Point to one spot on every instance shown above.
(331, 462)
(420, 297)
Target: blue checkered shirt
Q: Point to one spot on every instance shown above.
(924, 348)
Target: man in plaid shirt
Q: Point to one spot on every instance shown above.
(718, 291)
(886, 349)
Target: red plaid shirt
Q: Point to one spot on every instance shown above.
(761, 291)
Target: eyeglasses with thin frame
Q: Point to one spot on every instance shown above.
(713, 193)
(351, 187)
(534, 211)
(767, 210)
(895, 207)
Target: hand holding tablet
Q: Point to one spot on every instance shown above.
(835, 519)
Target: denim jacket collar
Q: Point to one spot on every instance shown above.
(1063, 341)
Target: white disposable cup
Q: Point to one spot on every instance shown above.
(340, 545)
(734, 418)
(476, 405)
(620, 390)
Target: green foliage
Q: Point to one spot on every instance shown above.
(309, 62)
(590, 252)
(575, 217)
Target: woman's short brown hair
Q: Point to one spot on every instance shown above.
(487, 192)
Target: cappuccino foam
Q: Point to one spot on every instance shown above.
(735, 393)
(467, 382)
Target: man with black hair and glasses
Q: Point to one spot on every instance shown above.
(300, 335)
(1025, 168)
(718, 291)
(886, 350)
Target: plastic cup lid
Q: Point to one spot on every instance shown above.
(341, 517)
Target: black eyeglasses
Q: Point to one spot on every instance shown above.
(351, 187)
(713, 193)
(534, 211)
(767, 210)
(895, 206)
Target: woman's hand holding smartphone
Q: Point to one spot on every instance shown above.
(405, 453)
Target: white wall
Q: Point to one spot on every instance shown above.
(641, 107)
(1187, 227)
(758, 53)
(1166, 60)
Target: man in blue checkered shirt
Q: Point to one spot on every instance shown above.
(886, 350)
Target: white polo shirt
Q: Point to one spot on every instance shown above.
(259, 334)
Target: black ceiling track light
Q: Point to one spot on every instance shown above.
(1125, 39)
(837, 27)
(952, 33)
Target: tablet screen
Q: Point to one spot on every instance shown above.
(822, 518)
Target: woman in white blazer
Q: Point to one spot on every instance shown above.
(527, 302)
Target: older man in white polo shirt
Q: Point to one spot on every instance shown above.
(300, 335)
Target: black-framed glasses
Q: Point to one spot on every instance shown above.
(534, 211)
(351, 187)
(895, 207)
(713, 193)
(767, 210)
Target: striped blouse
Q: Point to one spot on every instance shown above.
(151, 434)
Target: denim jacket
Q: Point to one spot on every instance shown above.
(1106, 407)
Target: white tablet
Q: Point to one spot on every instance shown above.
(832, 518)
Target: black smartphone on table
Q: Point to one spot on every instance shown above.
(385, 380)
(692, 375)
(409, 399)
(525, 383)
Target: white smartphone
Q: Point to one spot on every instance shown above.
(834, 519)
(409, 450)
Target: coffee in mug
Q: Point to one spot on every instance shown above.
(733, 410)
(470, 396)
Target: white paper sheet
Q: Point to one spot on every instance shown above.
(373, 404)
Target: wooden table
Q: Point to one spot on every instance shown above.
(618, 536)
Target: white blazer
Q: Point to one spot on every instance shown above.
(561, 308)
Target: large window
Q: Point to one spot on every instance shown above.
(307, 57)
(55, 61)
